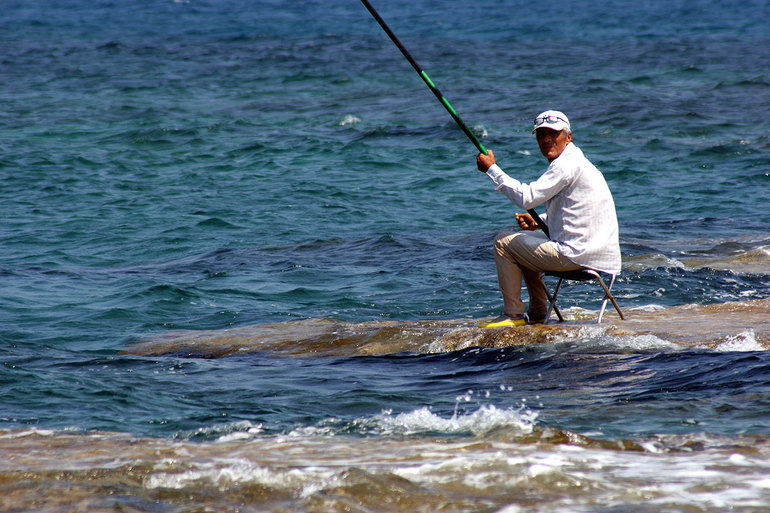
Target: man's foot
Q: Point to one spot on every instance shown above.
(534, 319)
(503, 321)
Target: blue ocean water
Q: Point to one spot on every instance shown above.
(215, 165)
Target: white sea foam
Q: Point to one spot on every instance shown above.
(349, 120)
(651, 261)
(569, 477)
(484, 419)
(605, 475)
(243, 431)
(240, 430)
(480, 131)
(596, 337)
(648, 308)
(228, 472)
(27, 432)
(744, 341)
(422, 420)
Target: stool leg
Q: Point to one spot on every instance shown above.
(607, 295)
(601, 310)
(552, 302)
(615, 303)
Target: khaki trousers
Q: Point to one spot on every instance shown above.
(526, 255)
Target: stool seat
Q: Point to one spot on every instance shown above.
(584, 274)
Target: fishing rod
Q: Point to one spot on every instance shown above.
(441, 98)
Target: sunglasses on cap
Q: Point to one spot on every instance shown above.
(548, 119)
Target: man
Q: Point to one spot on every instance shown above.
(580, 216)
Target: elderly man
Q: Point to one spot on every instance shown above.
(580, 216)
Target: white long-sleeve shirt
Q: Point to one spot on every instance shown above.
(580, 212)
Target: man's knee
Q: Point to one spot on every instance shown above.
(502, 240)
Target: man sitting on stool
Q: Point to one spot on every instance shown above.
(580, 216)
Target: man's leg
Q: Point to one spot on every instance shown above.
(509, 274)
(526, 255)
(538, 301)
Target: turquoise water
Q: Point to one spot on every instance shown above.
(219, 165)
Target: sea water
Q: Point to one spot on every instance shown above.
(244, 251)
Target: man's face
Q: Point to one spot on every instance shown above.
(552, 142)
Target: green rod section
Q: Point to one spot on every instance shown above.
(441, 98)
(425, 77)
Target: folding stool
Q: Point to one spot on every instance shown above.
(584, 274)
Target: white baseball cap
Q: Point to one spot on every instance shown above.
(552, 119)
